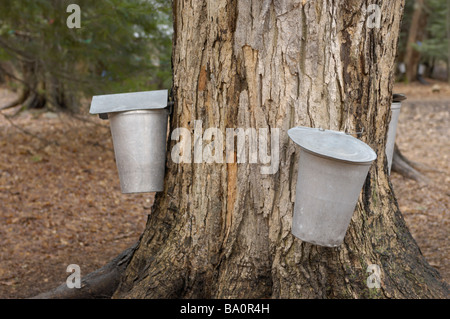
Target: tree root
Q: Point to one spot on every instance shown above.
(99, 284)
(407, 168)
(20, 100)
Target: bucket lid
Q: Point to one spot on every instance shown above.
(110, 103)
(398, 97)
(332, 144)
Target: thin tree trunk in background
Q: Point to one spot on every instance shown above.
(10, 76)
(448, 41)
(41, 90)
(416, 33)
(34, 86)
(224, 230)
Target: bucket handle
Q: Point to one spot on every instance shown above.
(348, 133)
(356, 133)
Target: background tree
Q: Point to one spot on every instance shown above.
(424, 36)
(121, 46)
(435, 46)
(416, 35)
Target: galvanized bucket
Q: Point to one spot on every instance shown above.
(392, 129)
(332, 170)
(138, 123)
(139, 139)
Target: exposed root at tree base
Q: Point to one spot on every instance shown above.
(21, 99)
(100, 284)
(406, 168)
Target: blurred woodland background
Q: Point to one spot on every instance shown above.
(122, 46)
(60, 200)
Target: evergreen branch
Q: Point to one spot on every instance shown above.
(21, 55)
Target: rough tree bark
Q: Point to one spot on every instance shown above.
(223, 230)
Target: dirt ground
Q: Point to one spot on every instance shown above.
(60, 199)
(423, 136)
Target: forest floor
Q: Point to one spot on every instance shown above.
(60, 199)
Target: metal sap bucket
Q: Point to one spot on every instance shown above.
(332, 170)
(138, 123)
(392, 129)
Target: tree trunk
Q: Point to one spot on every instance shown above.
(416, 33)
(223, 230)
(33, 87)
(39, 90)
(448, 41)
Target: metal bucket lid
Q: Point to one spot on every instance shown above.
(398, 97)
(111, 103)
(332, 144)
